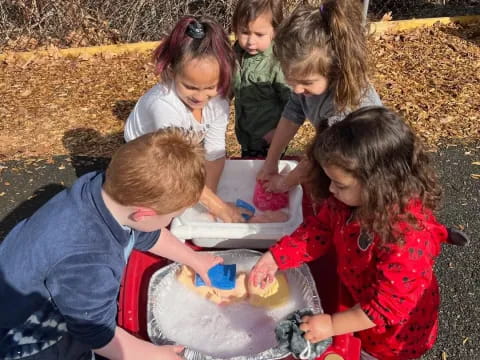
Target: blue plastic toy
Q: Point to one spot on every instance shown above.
(221, 276)
(245, 205)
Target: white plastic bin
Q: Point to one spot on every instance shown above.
(238, 182)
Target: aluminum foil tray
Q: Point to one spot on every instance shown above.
(159, 286)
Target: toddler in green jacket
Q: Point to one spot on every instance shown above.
(259, 85)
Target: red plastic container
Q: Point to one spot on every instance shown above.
(132, 303)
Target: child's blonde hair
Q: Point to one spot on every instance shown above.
(329, 40)
(163, 170)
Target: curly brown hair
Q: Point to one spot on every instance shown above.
(330, 40)
(378, 148)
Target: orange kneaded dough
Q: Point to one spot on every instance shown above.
(186, 276)
(269, 216)
(273, 295)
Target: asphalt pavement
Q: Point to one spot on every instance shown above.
(26, 185)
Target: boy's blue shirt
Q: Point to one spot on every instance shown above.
(70, 257)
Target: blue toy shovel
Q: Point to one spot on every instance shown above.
(221, 276)
(245, 205)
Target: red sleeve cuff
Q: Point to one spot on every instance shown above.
(383, 314)
(376, 317)
(286, 256)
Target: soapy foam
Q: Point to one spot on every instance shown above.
(220, 331)
(240, 185)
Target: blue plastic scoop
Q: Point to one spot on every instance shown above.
(245, 205)
(221, 276)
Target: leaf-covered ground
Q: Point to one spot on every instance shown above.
(53, 105)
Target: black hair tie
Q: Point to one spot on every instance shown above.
(195, 30)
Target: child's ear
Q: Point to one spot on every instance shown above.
(141, 213)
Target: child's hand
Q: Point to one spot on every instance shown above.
(169, 352)
(277, 184)
(204, 262)
(233, 214)
(131, 347)
(269, 216)
(264, 271)
(267, 171)
(317, 327)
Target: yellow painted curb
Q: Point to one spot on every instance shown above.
(82, 51)
(382, 27)
(377, 27)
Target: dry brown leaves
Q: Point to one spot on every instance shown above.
(52, 105)
(432, 77)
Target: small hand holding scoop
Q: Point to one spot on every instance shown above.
(221, 277)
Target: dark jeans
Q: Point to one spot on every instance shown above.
(66, 349)
(259, 153)
(247, 153)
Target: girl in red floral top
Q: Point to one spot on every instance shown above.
(379, 217)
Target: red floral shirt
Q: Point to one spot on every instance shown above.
(394, 284)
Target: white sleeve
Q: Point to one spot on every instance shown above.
(215, 135)
(162, 114)
(149, 115)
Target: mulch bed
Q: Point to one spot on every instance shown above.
(52, 105)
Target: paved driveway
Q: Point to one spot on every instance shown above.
(24, 186)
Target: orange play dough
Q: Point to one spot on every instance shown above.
(272, 295)
(269, 216)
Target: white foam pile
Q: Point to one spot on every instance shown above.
(219, 331)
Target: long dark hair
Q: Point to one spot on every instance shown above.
(377, 147)
(330, 40)
(179, 46)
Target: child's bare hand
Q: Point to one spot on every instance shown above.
(277, 184)
(269, 216)
(267, 171)
(264, 271)
(317, 327)
(233, 214)
(204, 262)
(169, 352)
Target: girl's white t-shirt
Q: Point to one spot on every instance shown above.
(161, 107)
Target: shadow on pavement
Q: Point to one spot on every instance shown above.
(123, 108)
(80, 142)
(28, 207)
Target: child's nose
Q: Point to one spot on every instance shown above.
(331, 188)
(298, 89)
(200, 97)
(203, 96)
